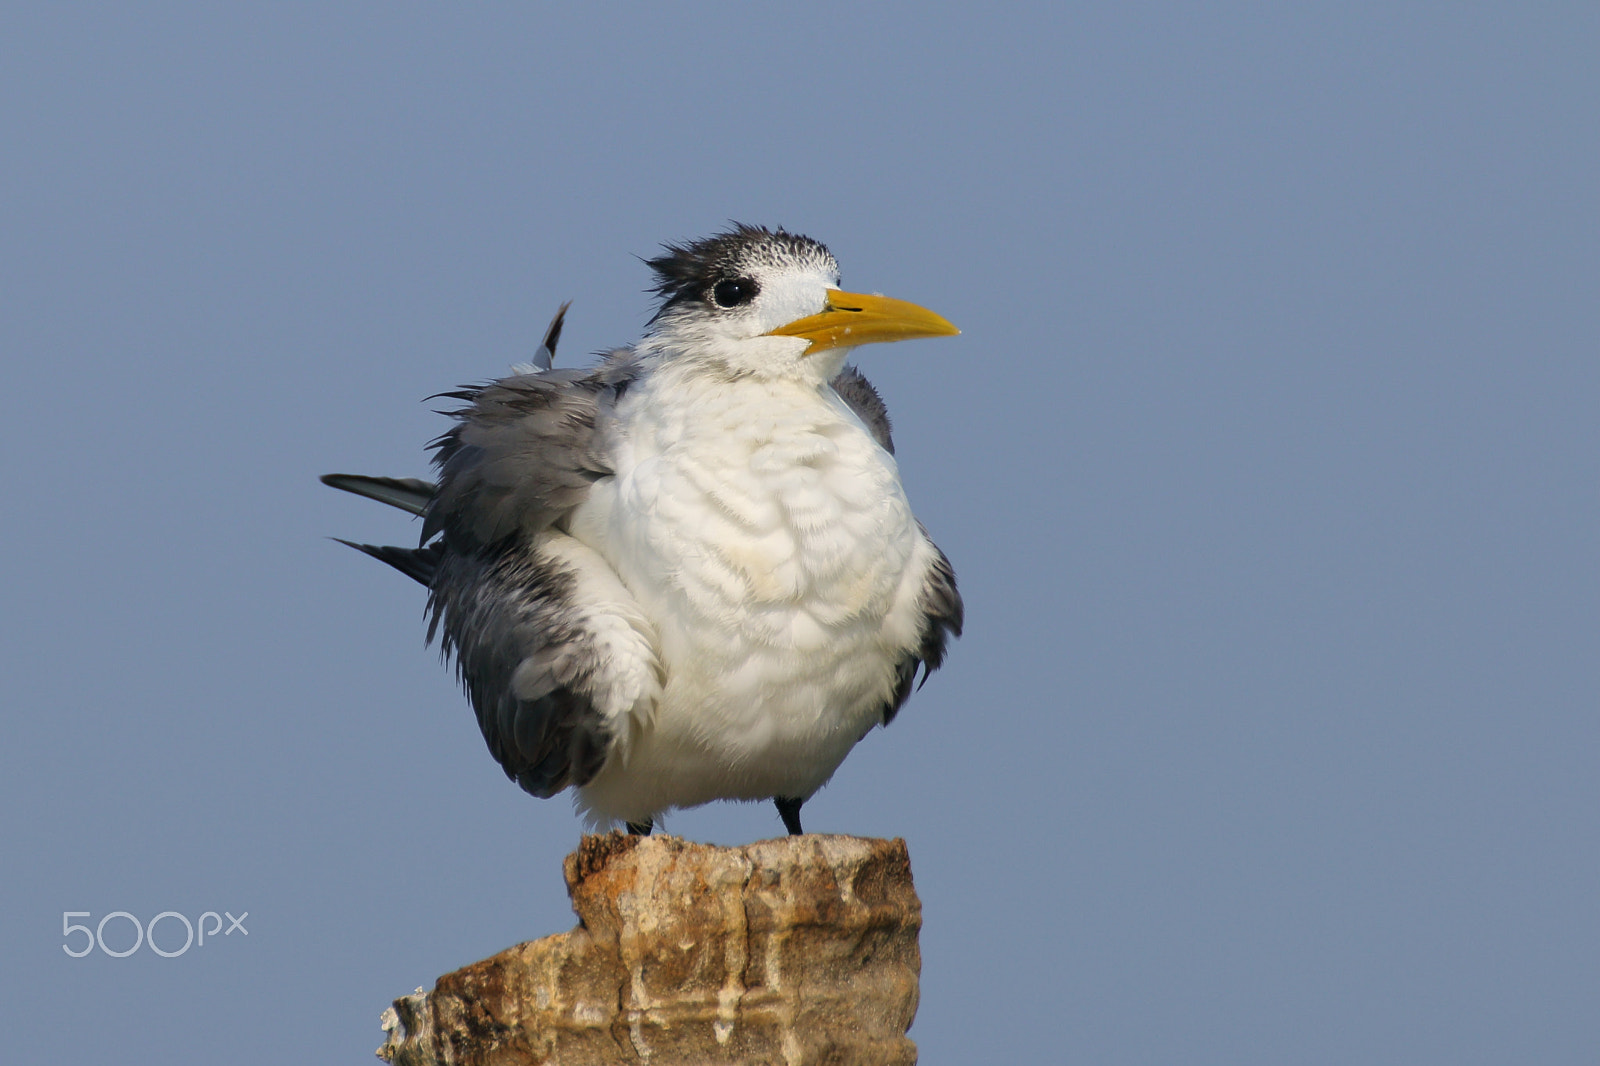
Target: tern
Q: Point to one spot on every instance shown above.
(690, 572)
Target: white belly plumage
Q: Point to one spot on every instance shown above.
(769, 543)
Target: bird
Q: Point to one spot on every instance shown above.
(689, 572)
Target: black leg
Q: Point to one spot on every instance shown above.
(641, 829)
(789, 811)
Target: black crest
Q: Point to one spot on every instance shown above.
(689, 272)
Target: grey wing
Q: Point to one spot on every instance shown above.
(517, 601)
(513, 601)
(853, 387)
(549, 696)
(523, 454)
(942, 616)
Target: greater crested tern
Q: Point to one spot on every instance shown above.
(690, 572)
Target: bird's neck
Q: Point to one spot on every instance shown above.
(689, 410)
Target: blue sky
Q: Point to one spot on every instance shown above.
(1267, 461)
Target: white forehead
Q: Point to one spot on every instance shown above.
(792, 288)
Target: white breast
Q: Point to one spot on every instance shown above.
(767, 538)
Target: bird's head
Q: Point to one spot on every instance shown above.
(754, 301)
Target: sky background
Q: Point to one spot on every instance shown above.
(1268, 461)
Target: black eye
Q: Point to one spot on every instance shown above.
(734, 292)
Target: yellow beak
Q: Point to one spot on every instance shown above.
(852, 319)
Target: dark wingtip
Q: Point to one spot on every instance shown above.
(419, 564)
(552, 333)
(408, 494)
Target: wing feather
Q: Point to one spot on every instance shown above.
(854, 388)
(536, 648)
(942, 617)
(523, 453)
(407, 493)
(550, 648)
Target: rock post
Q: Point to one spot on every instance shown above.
(793, 951)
